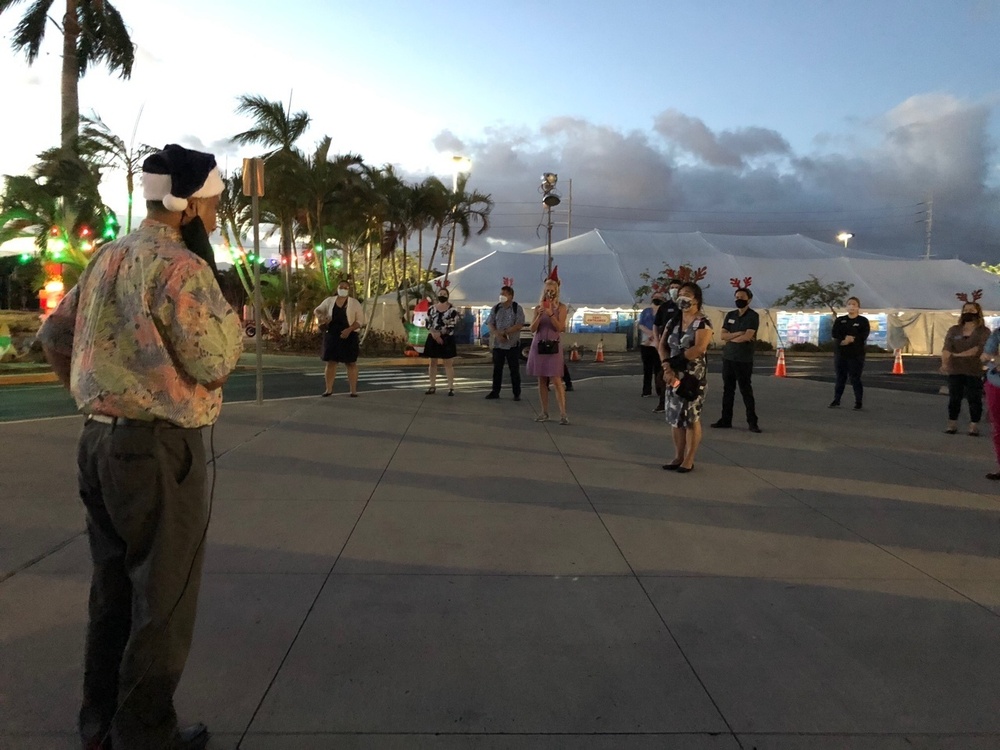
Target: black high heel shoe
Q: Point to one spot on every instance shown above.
(451, 391)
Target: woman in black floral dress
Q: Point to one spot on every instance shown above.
(682, 349)
(441, 321)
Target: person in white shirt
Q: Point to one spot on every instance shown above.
(343, 317)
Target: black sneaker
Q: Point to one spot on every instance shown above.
(492, 395)
(857, 406)
(755, 428)
(517, 398)
(722, 425)
(568, 388)
(833, 405)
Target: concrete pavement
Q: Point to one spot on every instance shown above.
(410, 571)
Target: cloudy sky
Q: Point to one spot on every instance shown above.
(756, 117)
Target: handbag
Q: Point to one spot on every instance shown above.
(548, 347)
(687, 386)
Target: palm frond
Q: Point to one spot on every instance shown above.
(30, 30)
(272, 126)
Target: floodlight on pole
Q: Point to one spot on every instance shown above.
(459, 165)
(550, 199)
(845, 237)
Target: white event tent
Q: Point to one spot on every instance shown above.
(601, 269)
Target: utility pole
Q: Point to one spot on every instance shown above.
(569, 220)
(929, 224)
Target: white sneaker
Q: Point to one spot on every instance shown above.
(543, 417)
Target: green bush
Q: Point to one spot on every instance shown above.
(383, 344)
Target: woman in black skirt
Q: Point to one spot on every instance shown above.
(441, 321)
(342, 315)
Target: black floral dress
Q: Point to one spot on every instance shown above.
(444, 323)
(679, 412)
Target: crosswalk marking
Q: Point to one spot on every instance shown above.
(409, 379)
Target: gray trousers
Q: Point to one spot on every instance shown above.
(144, 491)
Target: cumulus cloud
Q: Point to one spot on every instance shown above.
(448, 142)
(875, 179)
(728, 148)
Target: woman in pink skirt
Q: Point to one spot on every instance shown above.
(545, 359)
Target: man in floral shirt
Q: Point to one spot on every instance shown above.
(144, 342)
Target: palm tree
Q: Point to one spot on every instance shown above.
(428, 200)
(277, 130)
(93, 32)
(59, 205)
(104, 148)
(321, 181)
(468, 209)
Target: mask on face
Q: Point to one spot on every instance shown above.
(196, 239)
(657, 302)
(341, 292)
(741, 303)
(442, 298)
(685, 303)
(673, 294)
(968, 317)
(503, 298)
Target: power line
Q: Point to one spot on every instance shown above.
(884, 209)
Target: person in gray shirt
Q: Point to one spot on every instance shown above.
(505, 322)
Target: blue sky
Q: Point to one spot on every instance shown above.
(756, 116)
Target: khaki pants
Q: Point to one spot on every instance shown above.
(144, 491)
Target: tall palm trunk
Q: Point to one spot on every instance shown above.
(130, 184)
(451, 254)
(70, 79)
(437, 241)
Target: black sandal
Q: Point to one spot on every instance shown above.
(430, 391)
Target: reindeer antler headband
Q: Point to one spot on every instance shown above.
(442, 286)
(976, 296)
(745, 284)
(508, 281)
(685, 274)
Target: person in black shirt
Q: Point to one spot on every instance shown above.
(666, 313)
(739, 330)
(850, 332)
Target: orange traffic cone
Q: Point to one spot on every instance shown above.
(779, 369)
(600, 351)
(574, 355)
(897, 366)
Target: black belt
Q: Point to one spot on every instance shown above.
(128, 422)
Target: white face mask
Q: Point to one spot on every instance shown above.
(673, 294)
(503, 298)
(341, 292)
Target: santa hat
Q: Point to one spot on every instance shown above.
(176, 173)
(554, 275)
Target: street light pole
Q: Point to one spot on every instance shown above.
(550, 199)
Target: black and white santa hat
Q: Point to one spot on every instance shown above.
(176, 173)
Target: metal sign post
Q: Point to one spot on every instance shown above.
(253, 185)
